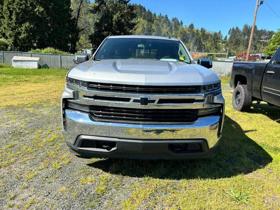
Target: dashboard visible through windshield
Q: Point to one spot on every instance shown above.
(140, 48)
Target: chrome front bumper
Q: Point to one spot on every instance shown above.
(145, 141)
(128, 137)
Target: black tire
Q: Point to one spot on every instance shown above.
(241, 98)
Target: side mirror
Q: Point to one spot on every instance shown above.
(206, 62)
(80, 59)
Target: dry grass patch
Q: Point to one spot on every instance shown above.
(31, 93)
(21, 87)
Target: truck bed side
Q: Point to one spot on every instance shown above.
(250, 74)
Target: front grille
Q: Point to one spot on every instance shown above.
(112, 114)
(144, 89)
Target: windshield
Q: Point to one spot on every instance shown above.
(137, 48)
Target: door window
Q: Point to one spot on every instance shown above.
(276, 58)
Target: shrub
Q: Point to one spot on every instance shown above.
(49, 50)
(4, 44)
(273, 44)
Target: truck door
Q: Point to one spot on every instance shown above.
(271, 81)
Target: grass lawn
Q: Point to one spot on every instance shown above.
(38, 171)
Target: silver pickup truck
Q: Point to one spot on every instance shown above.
(142, 97)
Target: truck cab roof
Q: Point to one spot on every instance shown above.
(143, 37)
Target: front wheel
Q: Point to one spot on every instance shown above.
(241, 99)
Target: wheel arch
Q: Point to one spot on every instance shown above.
(240, 79)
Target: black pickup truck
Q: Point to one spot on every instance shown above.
(256, 82)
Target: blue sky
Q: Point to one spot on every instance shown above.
(217, 15)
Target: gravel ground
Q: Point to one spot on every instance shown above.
(37, 168)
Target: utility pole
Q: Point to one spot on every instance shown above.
(258, 4)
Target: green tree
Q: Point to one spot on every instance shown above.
(234, 42)
(145, 22)
(114, 17)
(17, 23)
(157, 29)
(176, 25)
(38, 24)
(58, 26)
(3, 44)
(238, 39)
(1, 11)
(84, 21)
(273, 44)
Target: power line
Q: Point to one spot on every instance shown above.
(272, 10)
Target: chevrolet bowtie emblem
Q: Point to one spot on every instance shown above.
(144, 101)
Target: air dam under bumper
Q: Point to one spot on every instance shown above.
(90, 138)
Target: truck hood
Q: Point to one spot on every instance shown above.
(143, 72)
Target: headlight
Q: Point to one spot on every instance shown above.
(70, 82)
